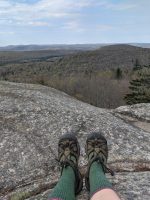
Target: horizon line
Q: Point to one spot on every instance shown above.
(67, 44)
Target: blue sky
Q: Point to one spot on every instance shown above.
(74, 21)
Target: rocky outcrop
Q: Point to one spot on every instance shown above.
(32, 118)
(139, 111)
(138, 115)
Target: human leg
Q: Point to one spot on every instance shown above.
(70, 182)
(67, 180)
(96, 182)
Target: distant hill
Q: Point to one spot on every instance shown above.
(30, 53)
(105, 58)
(9, 57)
(144, 45)
(108, 57)
(90, 76)
(81, 47)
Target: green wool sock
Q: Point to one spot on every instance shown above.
(65, 188)
(97, 178)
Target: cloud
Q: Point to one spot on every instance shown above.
(107, 4)
(38, 23)
(120, 6)
(73, 26)
(42, 12)
(103, 27)
(22, 13)
(7, 33)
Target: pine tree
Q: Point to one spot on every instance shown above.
(118, 73)
(140, 87)
(137, 65)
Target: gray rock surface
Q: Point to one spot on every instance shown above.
(32, 118)
(138, 115)
(138, 111)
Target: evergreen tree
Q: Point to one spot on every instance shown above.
(137, 65)
(118, 73)
(140, 87)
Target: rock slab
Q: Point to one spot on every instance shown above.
(33, 117)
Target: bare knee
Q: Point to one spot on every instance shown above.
(105, 194)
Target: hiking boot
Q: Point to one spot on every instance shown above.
(96, 150)
(68, 155)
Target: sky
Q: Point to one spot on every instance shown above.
(74, 21)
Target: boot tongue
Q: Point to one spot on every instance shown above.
(67, 152)
(92, 155)
(67, 155)
(97, 150)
